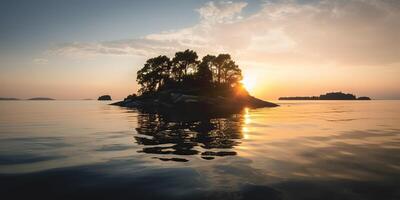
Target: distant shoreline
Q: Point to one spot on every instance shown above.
(8, 99)
(30, 99)
(327, 96)
(41, 99)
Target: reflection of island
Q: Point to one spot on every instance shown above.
(328, 96)
(207, 137)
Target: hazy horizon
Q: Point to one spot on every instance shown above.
(78, 50)
(113, 99)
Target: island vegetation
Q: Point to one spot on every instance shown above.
(327, 96)
(187, 83)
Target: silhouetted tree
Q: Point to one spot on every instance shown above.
(184, 71)
(154, 74)
(220, 62)
(231, 73)
(183, 62)
(226, 70)
(204, 74)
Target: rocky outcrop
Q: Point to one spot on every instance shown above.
(105, 98)
(203, 104)
(363, 98)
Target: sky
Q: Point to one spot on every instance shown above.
(81, 49)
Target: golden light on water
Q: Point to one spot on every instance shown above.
(245, 132)
(247, 120)
(246, 116)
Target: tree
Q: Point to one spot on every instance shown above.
(182, 63)
(154, 74)
(204, 74)
(220, 61)
(186, 72)
(231, 73)
(226, 71)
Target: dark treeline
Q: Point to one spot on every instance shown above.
(328, 96)
(186, 72)
(300, 98)
(337, 96)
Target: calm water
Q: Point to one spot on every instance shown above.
(301, 150)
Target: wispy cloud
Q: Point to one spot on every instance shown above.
(221, 12)
(354, 32)
(40, 61)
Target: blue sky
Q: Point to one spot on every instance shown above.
(41, 23)
(80, 49)
(37, 24)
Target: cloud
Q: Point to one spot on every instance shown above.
(40, 61)
(221, 12)
(351, 32)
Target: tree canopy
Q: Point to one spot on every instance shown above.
(184, 71)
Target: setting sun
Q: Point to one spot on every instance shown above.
(249, 83)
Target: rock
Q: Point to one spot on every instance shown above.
(175, 102)
(105, 98)
(182, 98)
(363, 98)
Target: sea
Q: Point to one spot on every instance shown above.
(299, 150)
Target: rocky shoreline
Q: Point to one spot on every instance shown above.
(167, 101)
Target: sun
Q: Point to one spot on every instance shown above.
(249, 83)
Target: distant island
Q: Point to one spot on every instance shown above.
(8, 99)
(41, 99)
(34, 98)
(328, 96)
(104, 98)
(186, 84)
(363, 98)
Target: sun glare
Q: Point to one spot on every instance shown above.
(249, 83)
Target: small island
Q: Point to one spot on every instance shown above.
(41, 99)
(327, 96)
(187, 84)
(363, 98)
(8, 99)
(104, 98)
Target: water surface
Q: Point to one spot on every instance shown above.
(300, 150)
